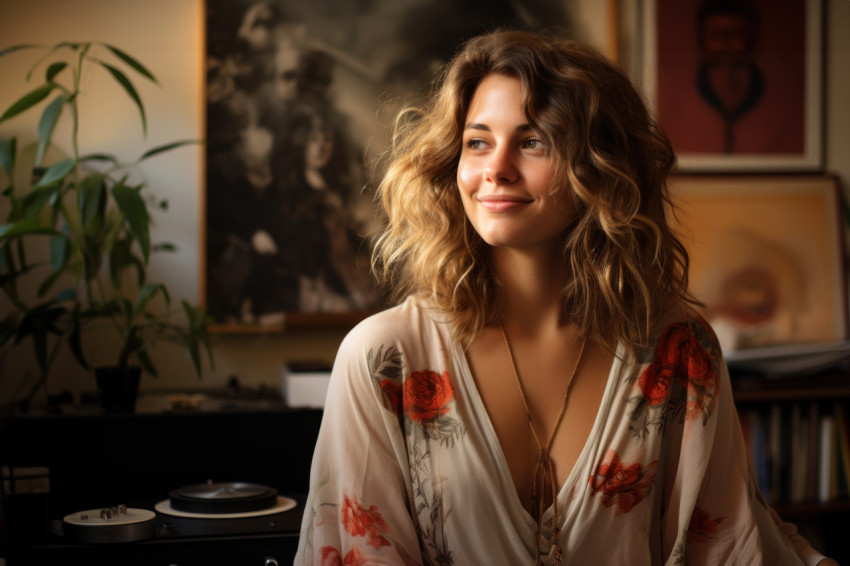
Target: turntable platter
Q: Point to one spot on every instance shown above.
(227, 497)
(281, 504)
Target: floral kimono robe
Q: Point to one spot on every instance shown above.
(408, 469)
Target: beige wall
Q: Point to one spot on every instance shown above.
(167, 35)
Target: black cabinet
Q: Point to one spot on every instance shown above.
(99, 461)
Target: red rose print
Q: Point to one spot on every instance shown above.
(330, 556)
(392, 393)
(680, 354)
(695, 364)
(622, 485)
(701, 369)
(427, 395)
(655, 383)
(702, 527)
(360, 522)
(355, 558)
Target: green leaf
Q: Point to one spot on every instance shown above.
(132, 205)
(48, 283)
(194, 352)
(47, 124)
(27, 101)
(192, 338)
(198, 335)
(141, 69)
(164, 247)
(25, 227)
(126, 307)
(75, 339)
(59, 247)
(119, 258)
(56, 172)
(122, 79)
(166, 147)
(147, 293)
(14, 48)
(140, 269)
(37, 323)
(99, 157)
(54, 70)
(7, 156)
(34, 201)
(146, 363)
(92, 200)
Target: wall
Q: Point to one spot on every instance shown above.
(837, 14)
(167, 35)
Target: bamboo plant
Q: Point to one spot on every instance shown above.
(91, 220)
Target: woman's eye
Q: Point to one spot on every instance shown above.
(475, 144)
(533, 143)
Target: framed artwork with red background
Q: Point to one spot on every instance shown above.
(736, 84)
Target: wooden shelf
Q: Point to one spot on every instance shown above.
(828, 387)
(815, 509)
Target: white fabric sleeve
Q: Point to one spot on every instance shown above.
(713, 512)
(357, 509)
(804, 550)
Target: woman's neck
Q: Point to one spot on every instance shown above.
(531, 286)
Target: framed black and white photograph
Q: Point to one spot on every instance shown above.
(300, 98)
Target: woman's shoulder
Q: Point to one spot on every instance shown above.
(685, 326)
(409, 322)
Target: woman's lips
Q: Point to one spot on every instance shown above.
(501, 203)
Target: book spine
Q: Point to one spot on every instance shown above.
(843, 441)
(826, 463)
(812, 453)
(797, 493)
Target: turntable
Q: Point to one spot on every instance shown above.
(221, 508)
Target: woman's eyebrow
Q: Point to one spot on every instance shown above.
(486, 128)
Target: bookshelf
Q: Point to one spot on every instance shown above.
(798, 433)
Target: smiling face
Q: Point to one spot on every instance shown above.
(505, 171)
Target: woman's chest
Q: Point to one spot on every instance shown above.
(546, 410)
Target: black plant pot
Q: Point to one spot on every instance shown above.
(118, 388)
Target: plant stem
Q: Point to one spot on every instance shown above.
(42, 380)
(75, 218)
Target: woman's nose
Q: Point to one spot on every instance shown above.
(500, 167)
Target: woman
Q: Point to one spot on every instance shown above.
(544, 393)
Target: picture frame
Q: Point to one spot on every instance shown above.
(300, 99)
(736, 92)
(767, 258)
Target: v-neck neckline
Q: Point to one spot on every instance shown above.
(489, 430)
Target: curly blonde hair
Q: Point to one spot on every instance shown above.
(627, 267)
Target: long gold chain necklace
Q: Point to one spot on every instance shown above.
(544, 470)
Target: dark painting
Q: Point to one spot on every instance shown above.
(299, 101)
